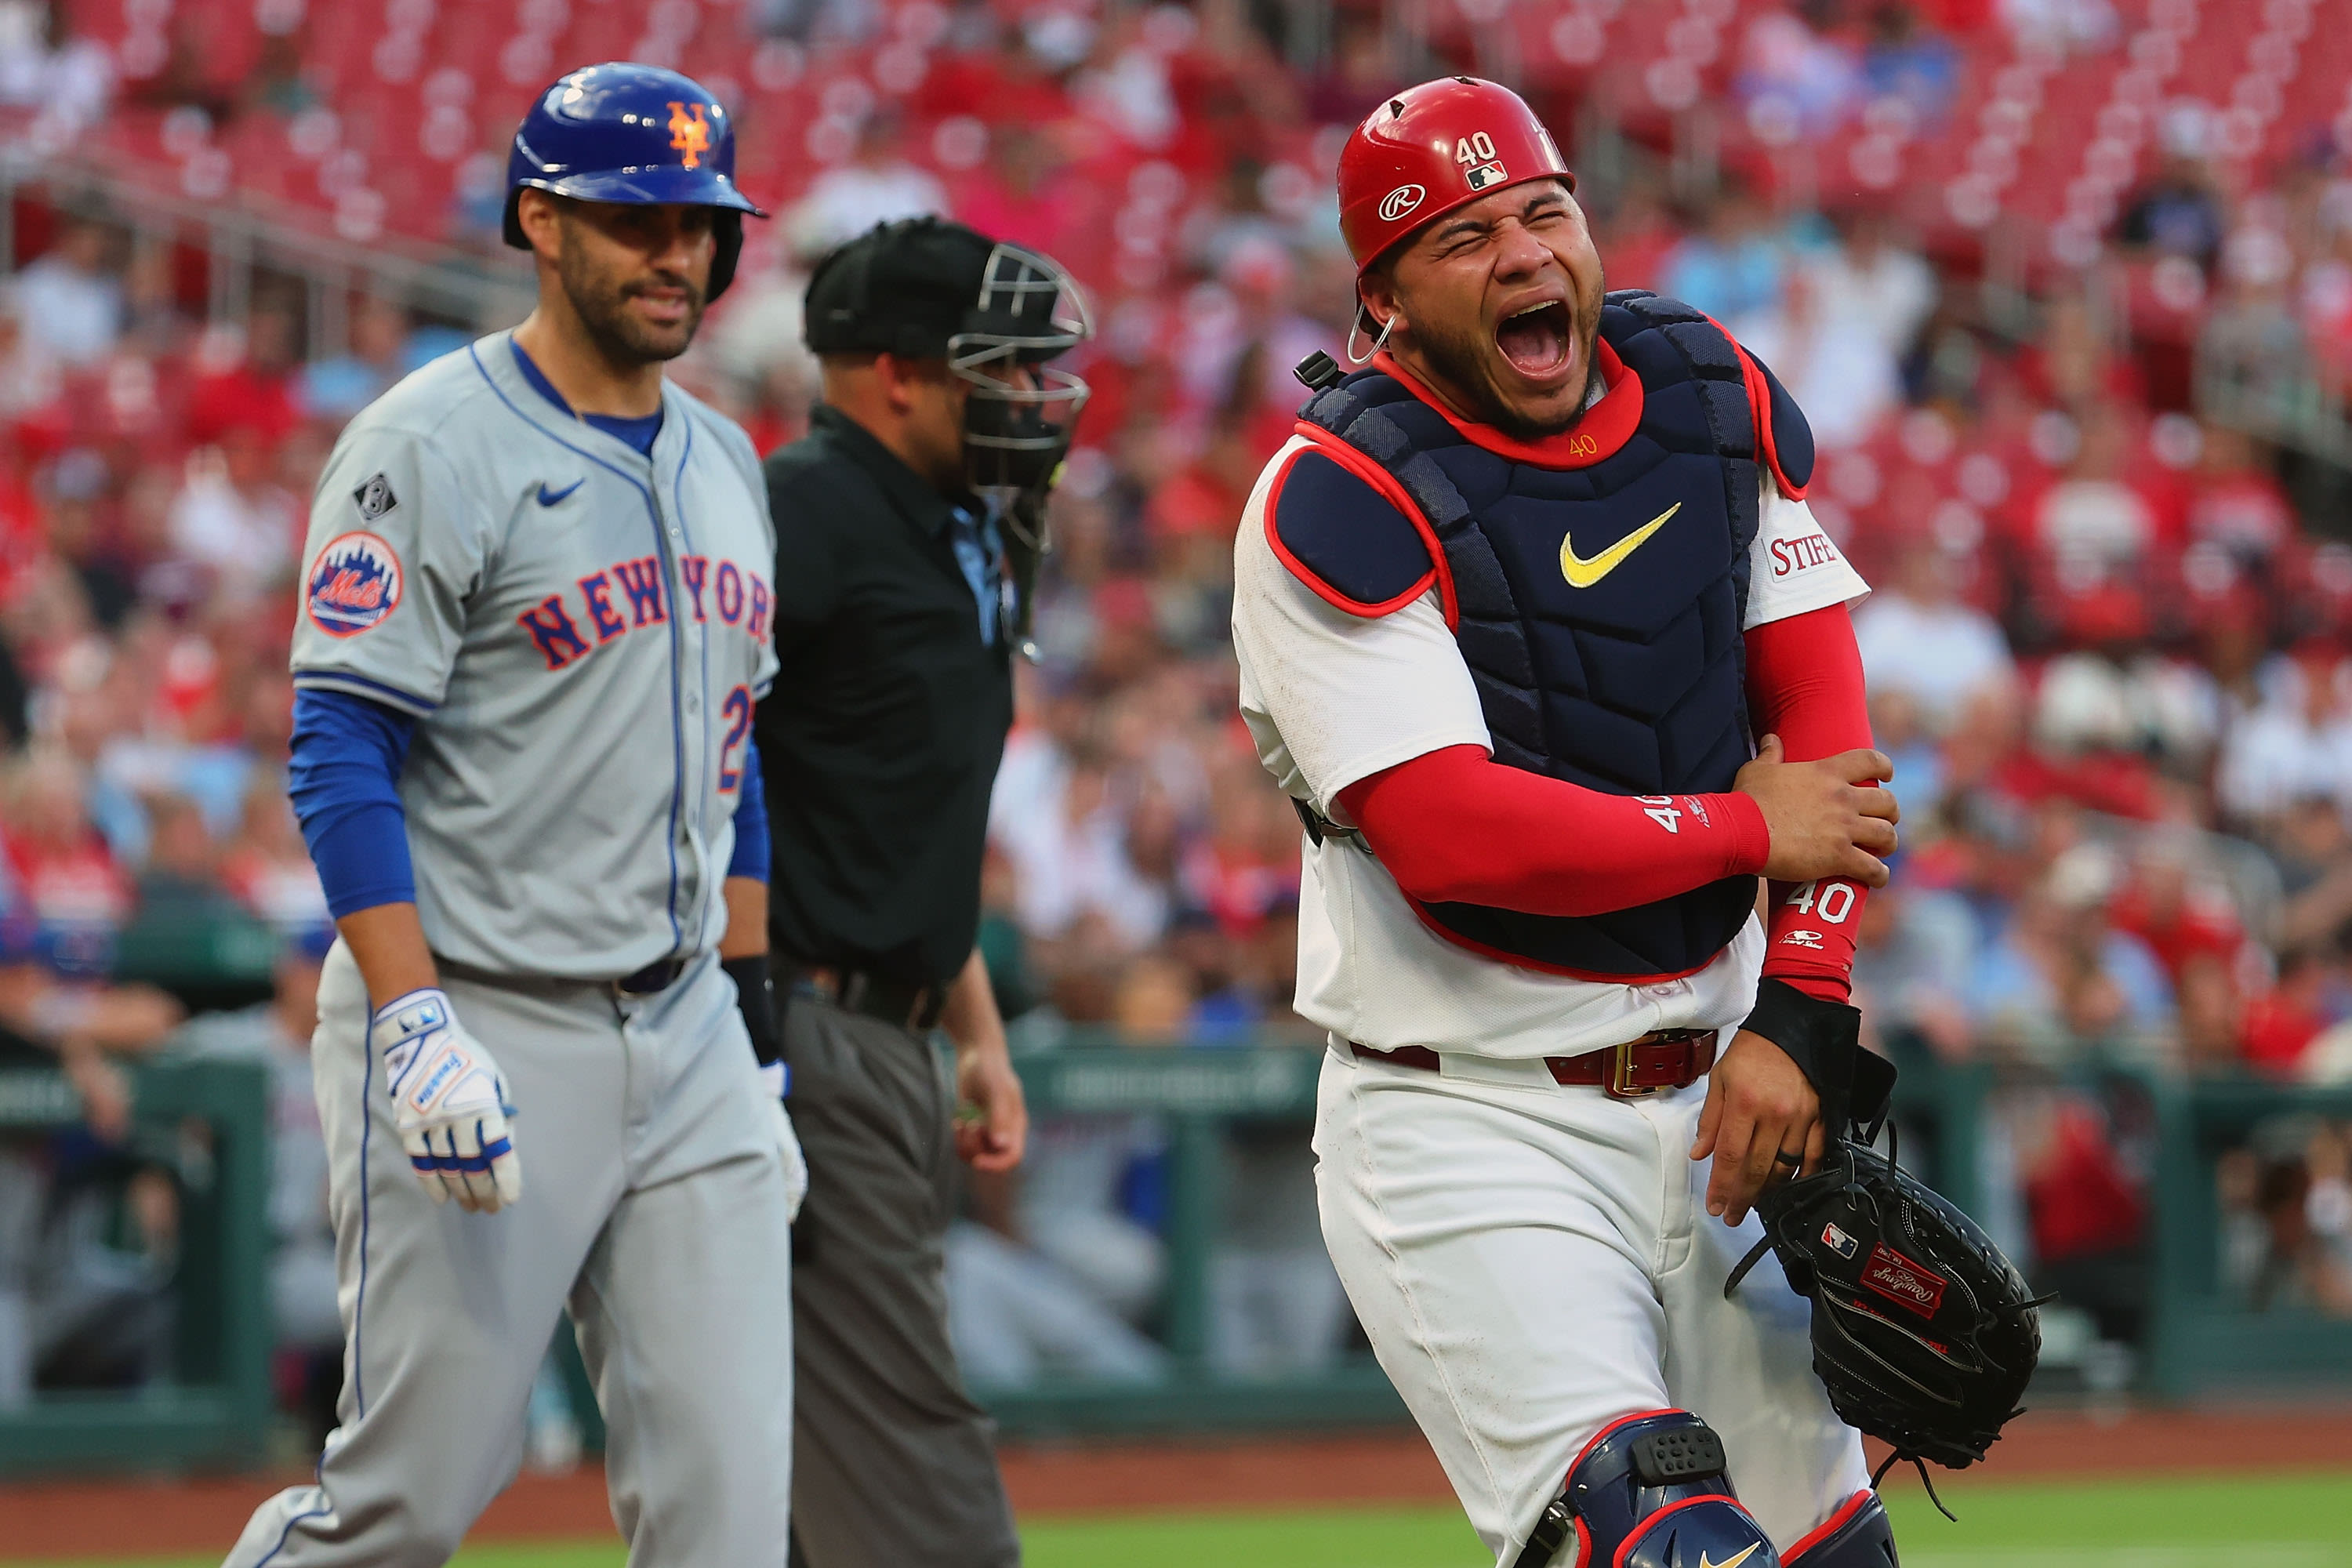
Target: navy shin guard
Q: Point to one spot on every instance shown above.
(1650, 1491)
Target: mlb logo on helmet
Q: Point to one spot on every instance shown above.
(353, 585)
(1487, 174)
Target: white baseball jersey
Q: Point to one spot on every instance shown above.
(580, 632)
(1331, 699)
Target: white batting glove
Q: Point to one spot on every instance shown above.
(788, 1142)
(448, 1102)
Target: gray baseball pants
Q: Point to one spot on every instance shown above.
(894, 1466)
(653, 1212)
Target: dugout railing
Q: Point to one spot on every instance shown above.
(206, 1125)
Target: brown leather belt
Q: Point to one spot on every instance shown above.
(1662, 1060)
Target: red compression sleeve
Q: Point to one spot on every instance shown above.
(1455, 827)
(1804, 684)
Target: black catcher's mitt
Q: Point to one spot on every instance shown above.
(1923, 1332)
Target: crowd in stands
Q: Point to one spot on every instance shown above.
(2107, 647)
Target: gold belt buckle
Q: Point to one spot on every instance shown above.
(1621, 1073)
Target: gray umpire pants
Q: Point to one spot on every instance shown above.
(653, 1212)
(893, 1465)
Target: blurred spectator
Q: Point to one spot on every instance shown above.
(2236, 504)
(69, 301)
(333, 389)
(1733, 265)
(267, 868)
(1833, 361)
(1794, 78)
(1909, 64)
(2058, 977)
(2298, 743)
(28, 366)
(2177, 908)
(73, 891)
(1872, 281)
(2285, 1198)
(2095, 523)
(2280, 1025)
(1919, 639)
(876, 184)
(1912, 961)
(2179, 212)
(231, 517)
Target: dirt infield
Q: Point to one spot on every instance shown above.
(130, 1517)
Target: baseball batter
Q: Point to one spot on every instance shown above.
(1535, 626)
(536, 622)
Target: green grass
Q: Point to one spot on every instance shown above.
(2298, 1522)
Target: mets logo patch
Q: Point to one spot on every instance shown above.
(355, 583)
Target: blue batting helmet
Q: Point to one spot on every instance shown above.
(640, 135)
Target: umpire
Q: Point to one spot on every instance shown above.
(908, 523)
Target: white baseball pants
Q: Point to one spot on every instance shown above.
(1533, 1261)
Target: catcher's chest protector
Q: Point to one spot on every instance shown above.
(1597, 596)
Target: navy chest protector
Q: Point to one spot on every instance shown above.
(1599, 607)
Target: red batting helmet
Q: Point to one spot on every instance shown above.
(1432, 148)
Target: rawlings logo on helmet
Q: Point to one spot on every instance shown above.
(1400, 201)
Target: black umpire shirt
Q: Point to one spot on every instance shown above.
(880, 740)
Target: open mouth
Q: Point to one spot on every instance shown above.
(1537, 341)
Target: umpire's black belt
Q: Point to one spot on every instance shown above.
(910, 1006)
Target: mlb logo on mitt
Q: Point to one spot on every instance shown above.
(1839, 1242)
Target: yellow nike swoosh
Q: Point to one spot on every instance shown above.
(1583, 573)
(1728, 1562)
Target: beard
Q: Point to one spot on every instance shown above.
(601, 304)
(1464, 360)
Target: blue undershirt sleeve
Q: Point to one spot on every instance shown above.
(343, 780)
(752, 845)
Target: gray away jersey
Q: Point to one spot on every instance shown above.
(580, 633)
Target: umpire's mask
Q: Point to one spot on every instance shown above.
(1020, 414)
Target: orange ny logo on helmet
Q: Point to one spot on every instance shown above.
(688, 133)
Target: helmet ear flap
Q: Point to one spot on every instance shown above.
(513, 222)
(726, 231)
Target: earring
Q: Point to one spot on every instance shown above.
(1355, 325)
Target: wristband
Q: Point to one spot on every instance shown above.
(1824, 1039)
(755, 994)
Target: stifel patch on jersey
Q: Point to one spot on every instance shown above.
(1906, 1284)
(353, 585)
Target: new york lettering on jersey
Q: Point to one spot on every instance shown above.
(737, 596)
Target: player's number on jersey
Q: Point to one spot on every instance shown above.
(1660, 809)
(737, 710)
(1832, 903)
(1476, 148)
